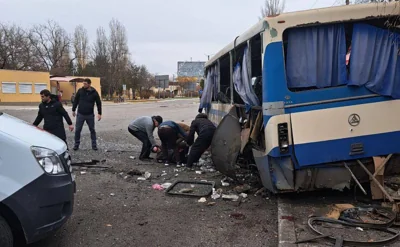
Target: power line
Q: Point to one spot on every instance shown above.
(316, 1)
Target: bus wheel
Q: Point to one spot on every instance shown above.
(6, 236)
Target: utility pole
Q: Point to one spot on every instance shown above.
(347, 2)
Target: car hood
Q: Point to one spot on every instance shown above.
(30, 134)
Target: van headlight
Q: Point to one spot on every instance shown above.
(48, 160)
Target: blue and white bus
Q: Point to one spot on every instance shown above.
(302, 94)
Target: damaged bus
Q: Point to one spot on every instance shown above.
(308, 96)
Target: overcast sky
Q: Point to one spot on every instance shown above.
(160, 32)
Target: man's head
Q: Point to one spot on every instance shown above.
(86, 83)
(45, 95)
(157, 120)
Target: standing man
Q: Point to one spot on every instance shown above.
(86, 97)
(53, 113)
(205, 130)
(169, 133)
(142, 128)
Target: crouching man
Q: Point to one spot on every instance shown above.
(205, 130)
(169, 133)
(142, 128)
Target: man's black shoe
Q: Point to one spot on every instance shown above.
(76, 148)
(95, 148)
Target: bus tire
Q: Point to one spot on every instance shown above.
(6, 236)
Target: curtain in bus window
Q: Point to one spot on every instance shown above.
(205, 101)
(316, 57)
(215, 83)
(375, 60)
(242, 82)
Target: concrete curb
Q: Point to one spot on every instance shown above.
(286, 228)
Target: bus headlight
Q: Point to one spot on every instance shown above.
(283, 137)
(48, 160)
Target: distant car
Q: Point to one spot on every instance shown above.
(37, 186)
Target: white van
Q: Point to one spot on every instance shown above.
(37, 186)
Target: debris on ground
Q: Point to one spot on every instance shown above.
(362, 219)
(166, 185)
(83, 172)
(132, 157)
(244, 195)
(337, 209)
(211, 204)
(146, 176)
(112, 194)
(216, 194)
(157, 187)
(242, 188)
(202, 200)
(135, 172)
(230, 197)
(186, 190)
(224, 183)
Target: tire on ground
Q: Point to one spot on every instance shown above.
(6, 236)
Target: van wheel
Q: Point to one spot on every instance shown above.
(6, 236)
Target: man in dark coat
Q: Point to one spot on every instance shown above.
(169, 133)
(86, 97)
(205, 130)
(53, 112)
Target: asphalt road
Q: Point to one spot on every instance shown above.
(112, 209)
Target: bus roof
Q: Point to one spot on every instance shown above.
(321, 15)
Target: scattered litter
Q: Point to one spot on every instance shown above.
(157, 187)
(216, 194)
(202, 200)
(360, 229)
(163, 174)
(244, 195)
(132, 157)
(108, 225)
(211, 204)
(242, 188)
(186, 190)
(230, 197)
(166, 164)
(82, 173)
(121, 173)
(176, 175)
(112, 194)
(224, 183)
(337, 209)
(135, 173)
(199, 172)
(126, 177)
(147, 175)
(141, 179)
(166, 185)
(191, 188)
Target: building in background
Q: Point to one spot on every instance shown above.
(190, 74)
(69, 85)
(22, 86)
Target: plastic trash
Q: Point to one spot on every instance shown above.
(244, 195)
(147, 175)
(166, 185)
(230, 197)
(202, 200)
(157, 187)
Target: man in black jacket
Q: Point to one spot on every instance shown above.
(205, 130)
(53, 112)
(86, 97)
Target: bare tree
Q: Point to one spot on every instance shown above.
(52, 45)
(81, 48)
(272, 7)
(101, 59)
(119, 54)
(16, 51)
